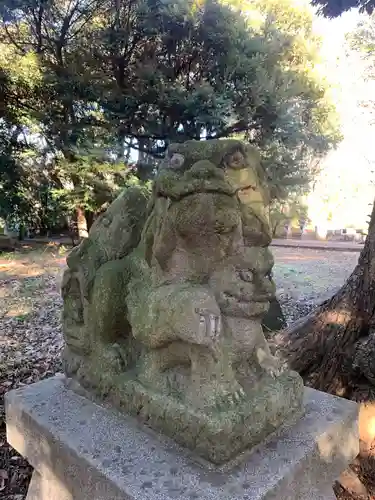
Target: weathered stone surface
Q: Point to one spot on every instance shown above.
(163, 308)
(87, 452)
(274, 320)
(47, 487)
(217, 435)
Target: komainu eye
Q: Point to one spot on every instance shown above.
(176, 161)
(235, 160)
(246, 275)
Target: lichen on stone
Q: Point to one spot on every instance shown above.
(163, 303)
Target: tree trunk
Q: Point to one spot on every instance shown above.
(90, 217)
(333, 348)
(21, 232)
(81, 223)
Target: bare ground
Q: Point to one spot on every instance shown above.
(30, 341)
(31, 337)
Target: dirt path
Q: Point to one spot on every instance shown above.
(30, 330)
(341, 246)
(30, 341)
(305, 277)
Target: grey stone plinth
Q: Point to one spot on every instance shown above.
(82, 451)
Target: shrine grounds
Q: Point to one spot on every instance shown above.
(31, 334)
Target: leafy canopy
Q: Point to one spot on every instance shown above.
(102, 83)
(334, 8)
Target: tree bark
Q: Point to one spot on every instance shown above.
(333, 348)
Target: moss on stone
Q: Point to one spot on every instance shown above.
(173, 289)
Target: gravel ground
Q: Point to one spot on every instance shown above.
(31, 337)
(305, 277)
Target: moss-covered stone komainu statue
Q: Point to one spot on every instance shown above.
(163, 305)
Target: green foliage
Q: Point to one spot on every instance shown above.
(362, 40)
(334, 8)
(12, 180)
(97, 182)
(98, 80)
(305, 123)
(293, 211)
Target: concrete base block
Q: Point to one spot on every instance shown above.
(46, 486)
(82, 451)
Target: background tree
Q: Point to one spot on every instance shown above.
(306, 124)
(212, 72)
(334, 347)
(334, 8)
(15, 178)
(49, 34)
(112, 83)
(282, 213)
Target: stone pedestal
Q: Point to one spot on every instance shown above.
(82, 451)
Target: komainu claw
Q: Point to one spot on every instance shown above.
(210, 325)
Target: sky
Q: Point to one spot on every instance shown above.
(334, 29)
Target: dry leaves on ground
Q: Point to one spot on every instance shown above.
(31, 336)
(30, 341)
